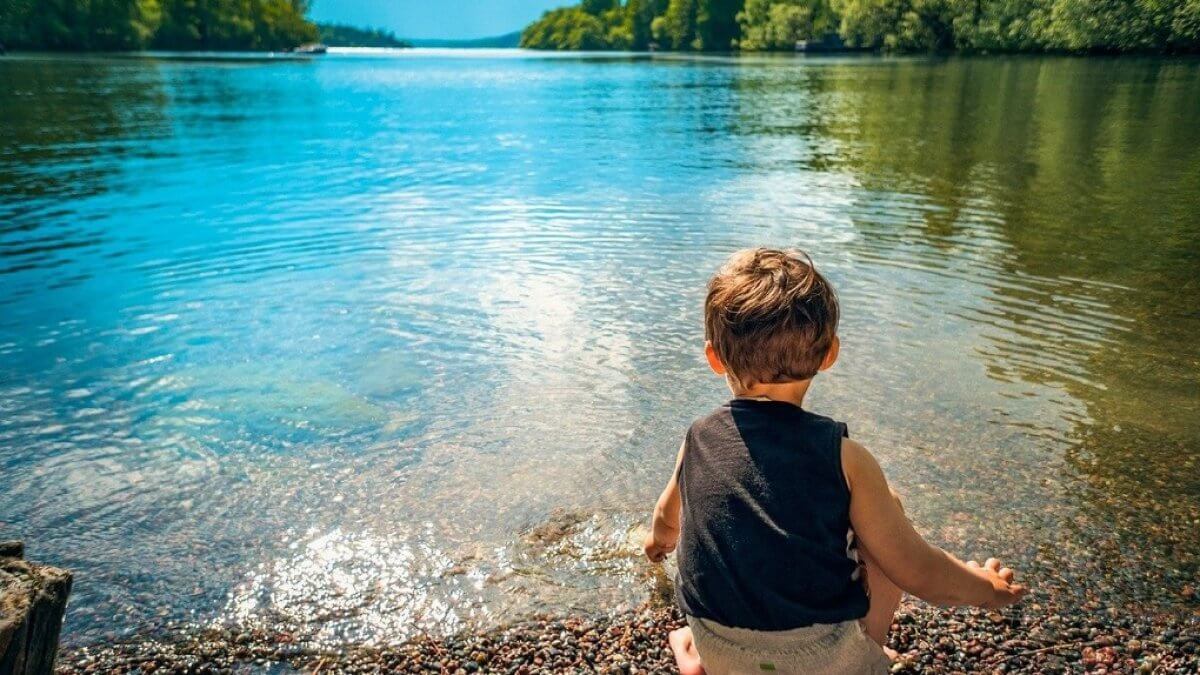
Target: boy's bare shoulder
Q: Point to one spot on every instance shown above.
(860, 467)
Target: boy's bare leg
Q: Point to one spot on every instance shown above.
(686, 656)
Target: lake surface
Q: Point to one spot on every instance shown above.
(386, 343)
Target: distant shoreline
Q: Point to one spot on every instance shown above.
(424, 49)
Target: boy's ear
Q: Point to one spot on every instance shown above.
(835, 348)
(714, 361)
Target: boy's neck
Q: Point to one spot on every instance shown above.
(786, 392)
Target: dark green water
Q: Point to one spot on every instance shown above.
(393, 343)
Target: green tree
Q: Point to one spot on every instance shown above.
(1108, 25)
(777, 24)
(639, 16)
(235, 24)
(169, 24)
(618, 29)
(1022, 25)
(120, 24)
(1001, 25)
(78, 24)
(566, 28)
(599, 7)
(676, 28)
(900, 25)
(1185, 26)
(905, 25)
(279, 24)
(716, 24)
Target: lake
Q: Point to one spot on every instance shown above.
(383, 343)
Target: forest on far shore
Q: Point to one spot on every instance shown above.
(342, 35)
(1095, 26)
(107, 25)
(1092, 26)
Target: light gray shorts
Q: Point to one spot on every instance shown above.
(822, 649)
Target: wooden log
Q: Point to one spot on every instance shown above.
(33, 599)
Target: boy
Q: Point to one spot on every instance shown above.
(793, 550)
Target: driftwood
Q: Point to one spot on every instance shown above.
(32, 601)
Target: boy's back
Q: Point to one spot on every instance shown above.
(766, 541)
(768, 502)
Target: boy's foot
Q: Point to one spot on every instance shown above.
(687, 659)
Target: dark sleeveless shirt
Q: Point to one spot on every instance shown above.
(766, 542)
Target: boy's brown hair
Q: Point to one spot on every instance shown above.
(771, 316)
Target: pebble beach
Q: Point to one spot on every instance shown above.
(1036, 638)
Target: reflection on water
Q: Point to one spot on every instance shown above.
(383, 344)
(369, 586)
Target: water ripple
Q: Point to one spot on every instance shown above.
(381, 343)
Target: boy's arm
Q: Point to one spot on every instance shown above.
(904, 556)
(664, 526)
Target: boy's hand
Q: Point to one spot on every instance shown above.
(659, 542)
(1004, 591)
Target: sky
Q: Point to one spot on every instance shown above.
(436, 18)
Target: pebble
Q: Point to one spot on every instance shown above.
(1040, 638)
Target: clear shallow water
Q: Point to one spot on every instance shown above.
(387, 343)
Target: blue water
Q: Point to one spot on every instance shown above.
(376, 344)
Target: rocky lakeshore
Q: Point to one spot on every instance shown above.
(1038, 637)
